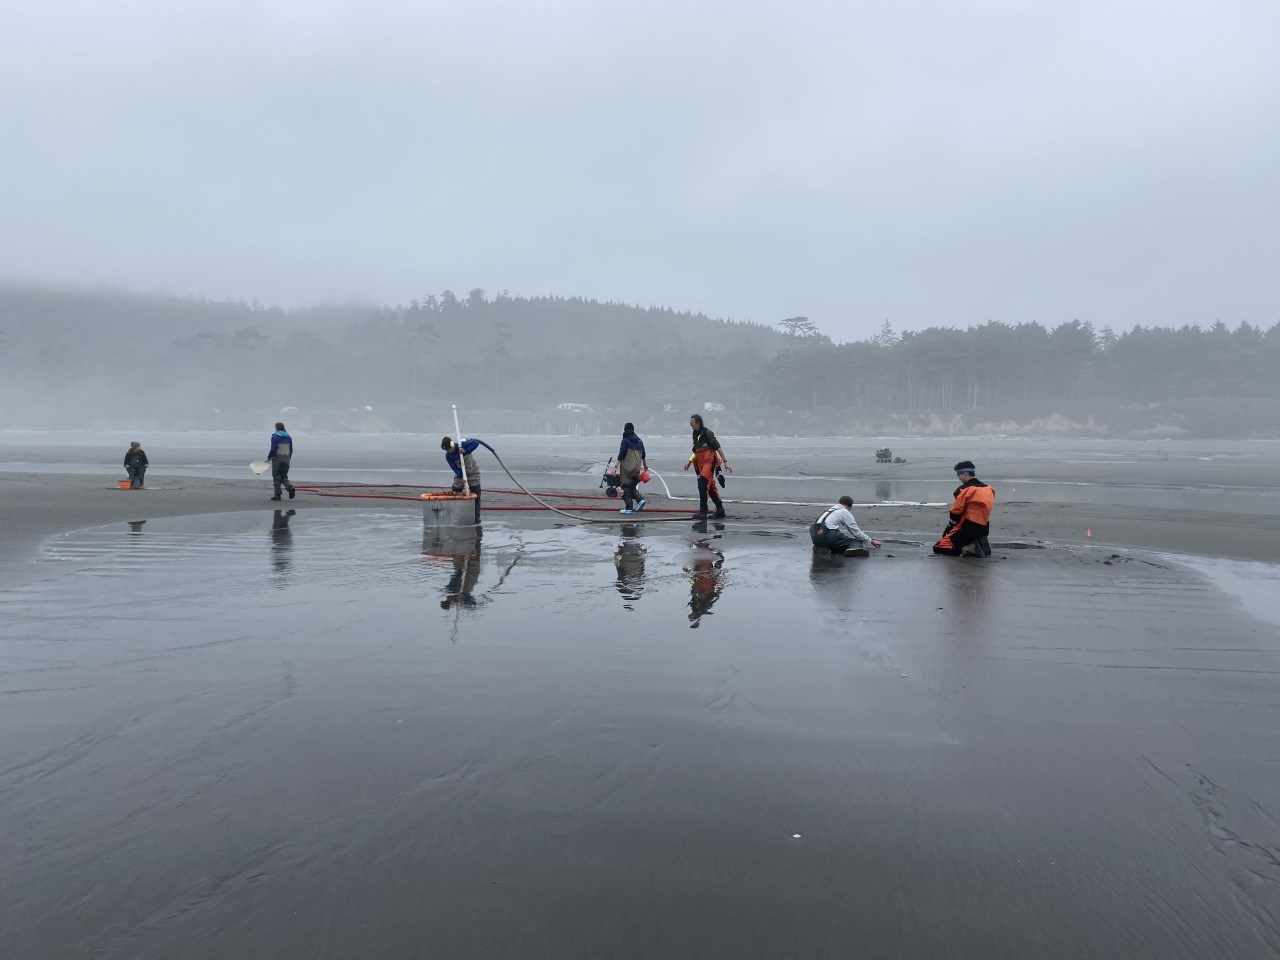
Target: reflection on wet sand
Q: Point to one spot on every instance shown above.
(706, 578)
(628, 560)
(953, 741)
(461, 588)
(281, 540)
(834, 573)
(968, 608)
(461, 547)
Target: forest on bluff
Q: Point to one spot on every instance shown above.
(87, 358)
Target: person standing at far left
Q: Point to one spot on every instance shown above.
(135, 461)
(280, 457)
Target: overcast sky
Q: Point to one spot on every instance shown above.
(934, 162)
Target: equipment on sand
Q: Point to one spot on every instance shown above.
(611, 481)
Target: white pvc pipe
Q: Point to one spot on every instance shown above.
(794, 503)
(664, 483)
(462, 463)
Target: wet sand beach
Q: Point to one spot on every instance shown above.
(38, 506)
(237, 728)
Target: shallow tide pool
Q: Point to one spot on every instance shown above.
(337, 734)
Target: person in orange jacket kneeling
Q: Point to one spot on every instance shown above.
(969, 519)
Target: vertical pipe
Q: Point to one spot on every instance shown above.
(462, 462)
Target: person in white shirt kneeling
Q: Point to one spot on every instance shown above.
(836, 530)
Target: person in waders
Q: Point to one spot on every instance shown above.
(631, 463)
(969, 517)
(706, 459)
(837, 530)
(280, 456)
(135, 461)
(459, 458)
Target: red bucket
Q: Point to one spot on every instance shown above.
(644, 476)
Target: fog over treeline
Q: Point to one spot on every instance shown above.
(105, 358)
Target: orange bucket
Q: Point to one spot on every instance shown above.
(124, 484)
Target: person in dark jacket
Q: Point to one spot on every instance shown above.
(631, 463)
(969, 518)
(135, 462)
(459, 458)
(707, 459)
(280, 457)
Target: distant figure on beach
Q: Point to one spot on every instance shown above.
(631, 463)
(280, 456)
(459, 458)
(135, 462)
(707, 459)
(969, 518)
(837, 530)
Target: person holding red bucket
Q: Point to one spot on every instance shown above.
(633, 468)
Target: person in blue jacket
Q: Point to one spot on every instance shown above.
(631, 463)
(280, 457)
(459, 458)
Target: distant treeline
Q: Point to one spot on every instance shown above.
(1207, 382)
(92, 357)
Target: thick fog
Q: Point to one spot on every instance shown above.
(932, 163)
(97, 359)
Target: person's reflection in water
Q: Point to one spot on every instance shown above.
(884, 490)
(460, 591)
(706, 581)
(281, 539)
(628, 560)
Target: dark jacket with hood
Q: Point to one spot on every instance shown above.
(631, 456)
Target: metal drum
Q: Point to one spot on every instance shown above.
(449, 510)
